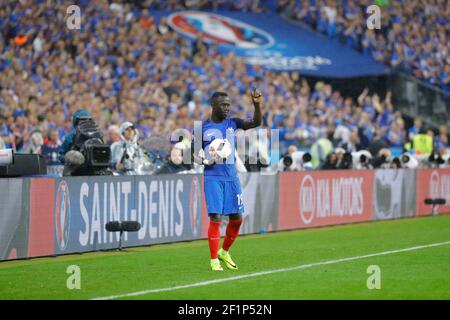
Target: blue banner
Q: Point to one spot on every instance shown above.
(167, 207)
(273, 42)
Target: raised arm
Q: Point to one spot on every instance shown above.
(257, 103)
(362, 96)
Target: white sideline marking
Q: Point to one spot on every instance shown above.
(257, 274)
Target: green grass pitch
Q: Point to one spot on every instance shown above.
(415, 274)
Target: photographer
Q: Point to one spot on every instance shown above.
(438, 159)
(295, 160)
(175, 163)
(361, 160)
(395, 163)
(408, 161)
(383, 159)
(446, 158)
(125, 152)
(35, 144)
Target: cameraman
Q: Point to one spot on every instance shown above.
(126, 151)
(330, 162)
(83, 151)
(78, 117)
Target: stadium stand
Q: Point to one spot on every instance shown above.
(123, 65)
(413, 37)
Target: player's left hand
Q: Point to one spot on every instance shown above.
(256, 96)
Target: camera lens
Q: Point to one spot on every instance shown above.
(405, 158)
(347, 157)
(287, 161)
(397, 162)
(306, 157)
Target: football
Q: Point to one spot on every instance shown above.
(220, 149)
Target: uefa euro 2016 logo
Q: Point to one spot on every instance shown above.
(219, 29)
(62, 215)
(195, 203)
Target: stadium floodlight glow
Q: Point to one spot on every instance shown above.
(124, 226)
(6, 157)
(434, 202)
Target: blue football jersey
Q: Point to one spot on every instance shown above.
(225, 129)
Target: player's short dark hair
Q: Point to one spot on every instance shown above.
(216, 95)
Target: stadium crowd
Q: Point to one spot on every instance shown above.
(233, 5)
(414, 35)
(124, 66)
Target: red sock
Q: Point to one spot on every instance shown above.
(232, 233)
(214, 238)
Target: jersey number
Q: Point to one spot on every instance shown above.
(240, 199)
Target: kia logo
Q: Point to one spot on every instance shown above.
(307, 196)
